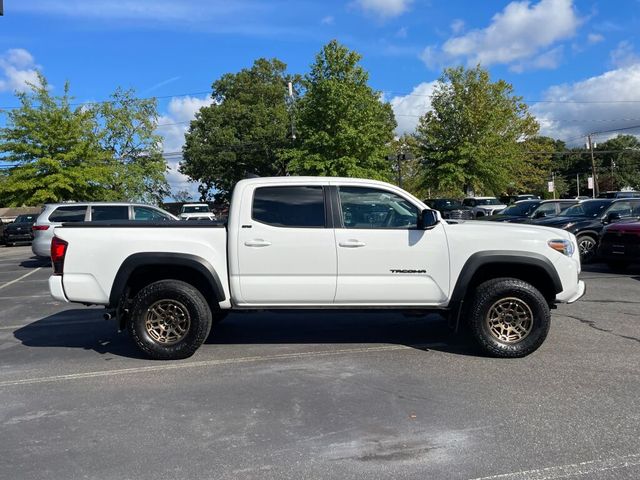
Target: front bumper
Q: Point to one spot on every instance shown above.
(573, 295)
(56, 289)
(11, 237)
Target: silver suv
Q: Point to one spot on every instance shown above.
(484, 206)
(55, 214)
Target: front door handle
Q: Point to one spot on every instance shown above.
(352, 244)
(257, 242)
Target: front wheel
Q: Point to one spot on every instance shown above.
(587, 245)
(169, 320)
(508, 317)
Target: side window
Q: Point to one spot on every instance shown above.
(624, 209)
(364, 207)
(565, 206)
(295, 206)
(72, 213)
(147, 214)
(467, 202)
(548, 209)
(109, 212)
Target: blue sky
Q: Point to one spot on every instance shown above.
(581, 57)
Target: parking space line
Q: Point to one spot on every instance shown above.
(571, 470)
(164, 366)
(20, 278)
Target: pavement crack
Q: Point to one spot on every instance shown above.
(593, 325)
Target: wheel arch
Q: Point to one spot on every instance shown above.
(140, 269)
(531, 267)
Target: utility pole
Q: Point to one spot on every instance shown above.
(400, 157)
(578, 184)
(553, 182)
(593, 168)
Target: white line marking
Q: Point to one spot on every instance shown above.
(20, 278)
(163, 366)
(571, 470)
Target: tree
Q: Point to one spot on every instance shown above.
(344, 127)
(62, 152)
(539, 159)
(244, 130)
(55, 148)
(620, 161)
(472, 138)
(181, 196)
(135, 151)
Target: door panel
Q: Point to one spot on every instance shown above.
(286, 253)
(383, 258)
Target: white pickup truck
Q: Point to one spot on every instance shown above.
(318, 242)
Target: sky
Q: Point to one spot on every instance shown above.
(575, 62)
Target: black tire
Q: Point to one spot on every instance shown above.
(588, 246)
(528, 299)
(184, 297)
(617, 267)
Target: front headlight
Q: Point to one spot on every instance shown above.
(565, 247)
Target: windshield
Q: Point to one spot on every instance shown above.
(521, 209)
(25, 219)
(446, 203)
(587, 209)
(488, 201)
(195, 209)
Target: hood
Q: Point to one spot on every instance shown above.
(519, 230)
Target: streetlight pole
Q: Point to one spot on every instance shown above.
(593, 167)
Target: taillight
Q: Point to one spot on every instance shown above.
(40, 227)
(58, 251)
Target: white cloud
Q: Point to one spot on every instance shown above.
(545, 61)
(520, 33)
(18, 68)
(457, 26)
(594, 38)
(624, 55)
(384, 8)
(569, 119)
(172, 126)
(328, 20)
(409, 108)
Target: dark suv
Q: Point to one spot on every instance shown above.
(450, 208)
(516, 213)
(19, 230)
(587, 219)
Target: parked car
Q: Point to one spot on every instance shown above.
(620, 245)
(484, 206)
(450, 208)
(318, 242)
(19, 231)
(543, 209)
(55, 214)
(2, 224)
(198, 210)
(516, 213)
(511, 199)
(587, 219)
(619, 194)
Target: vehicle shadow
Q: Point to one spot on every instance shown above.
(85, 329)
(35, 262)
(596, 267)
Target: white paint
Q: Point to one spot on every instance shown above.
(20, 278)
(571, 470)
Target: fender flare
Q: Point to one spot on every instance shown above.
(510, 257)
(137, 260)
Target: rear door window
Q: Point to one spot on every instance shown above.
(148, 214)
(71, 213)
(295, 206)
(109, 212)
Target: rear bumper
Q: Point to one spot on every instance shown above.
(56, 289)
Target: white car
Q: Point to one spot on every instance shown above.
(201, 211)
(484, 206)
(319, 242)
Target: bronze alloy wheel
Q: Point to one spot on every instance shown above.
(509, 320)
(167, 321)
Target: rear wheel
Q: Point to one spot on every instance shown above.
(508, 317)
(587, 245)
(169, 320)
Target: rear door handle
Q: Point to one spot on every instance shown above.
(352, 244)
(257, 242)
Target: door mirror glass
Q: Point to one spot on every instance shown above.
(428, 219)
(539, 215)
(612, 217)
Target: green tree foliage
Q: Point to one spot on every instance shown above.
(245, 130)
(619, 161)
(344, 126)
(62, 152)
(472, 138)
(539, 159)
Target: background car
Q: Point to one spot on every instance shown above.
(19, 230)
(198, 210)
(620, 244)
(55, 214)
(521, 210)
(484, 206)
(619, 194)
(450, 208)
(511, 199)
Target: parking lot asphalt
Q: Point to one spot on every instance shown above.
(297, 395)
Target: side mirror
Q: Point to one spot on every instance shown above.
(428, 219)
(539, 215)
(612, 217)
